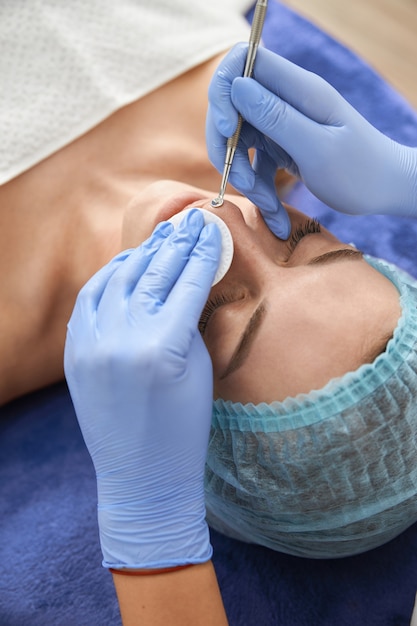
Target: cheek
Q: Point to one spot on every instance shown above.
(290, 355)
(268, 374)
(245, 387)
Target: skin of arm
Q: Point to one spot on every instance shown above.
(186, 597)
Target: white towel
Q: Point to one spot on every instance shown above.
(66, 66)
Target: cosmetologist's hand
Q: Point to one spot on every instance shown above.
(297, 121)
(140, 378)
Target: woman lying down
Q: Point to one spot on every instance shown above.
(313, 345)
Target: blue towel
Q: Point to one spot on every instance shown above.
(49, 549)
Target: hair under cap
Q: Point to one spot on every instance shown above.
(330, 473)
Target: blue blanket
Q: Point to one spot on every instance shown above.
(50, 554)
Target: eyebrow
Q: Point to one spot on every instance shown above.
(255, 320)
(246, 340)
(336, 255)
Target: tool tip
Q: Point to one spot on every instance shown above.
(217, 202)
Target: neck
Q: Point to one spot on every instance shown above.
(61, 220)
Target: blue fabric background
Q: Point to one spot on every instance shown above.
(49, 550)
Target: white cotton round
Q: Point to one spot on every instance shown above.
(227, 240)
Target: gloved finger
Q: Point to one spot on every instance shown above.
(250, 137)
(264, 196)
(122, 281)
(267, 162)
(257, 181)
(81, 328)
(305, 91)
(264, 166)
(224, 116)
(190, 292)
(215, 142)
(242, 176)
(152, 290)
(269, 156)
(279, 222)
(90, 294)
(84, 318)
(275, 118)
(254, 184)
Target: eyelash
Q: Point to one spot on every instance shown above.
(309, 227)
(211, 305)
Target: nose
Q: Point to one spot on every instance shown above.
(252, 243)
(230, 212)
(248, 227)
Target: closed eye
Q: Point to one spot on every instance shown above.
(211, 306)
(309, 227)
(217, 300)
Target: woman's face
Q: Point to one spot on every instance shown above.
(289, 315)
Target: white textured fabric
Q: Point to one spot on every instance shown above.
(66, 66)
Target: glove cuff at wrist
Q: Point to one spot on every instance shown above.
(126, 542)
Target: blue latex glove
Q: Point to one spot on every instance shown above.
(299, 122)
(140, 378)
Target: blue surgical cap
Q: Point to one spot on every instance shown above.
(330, 473)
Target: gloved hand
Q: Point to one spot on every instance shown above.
(140, 378)
(299, 122)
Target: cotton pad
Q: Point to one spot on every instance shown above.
(227, 241)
